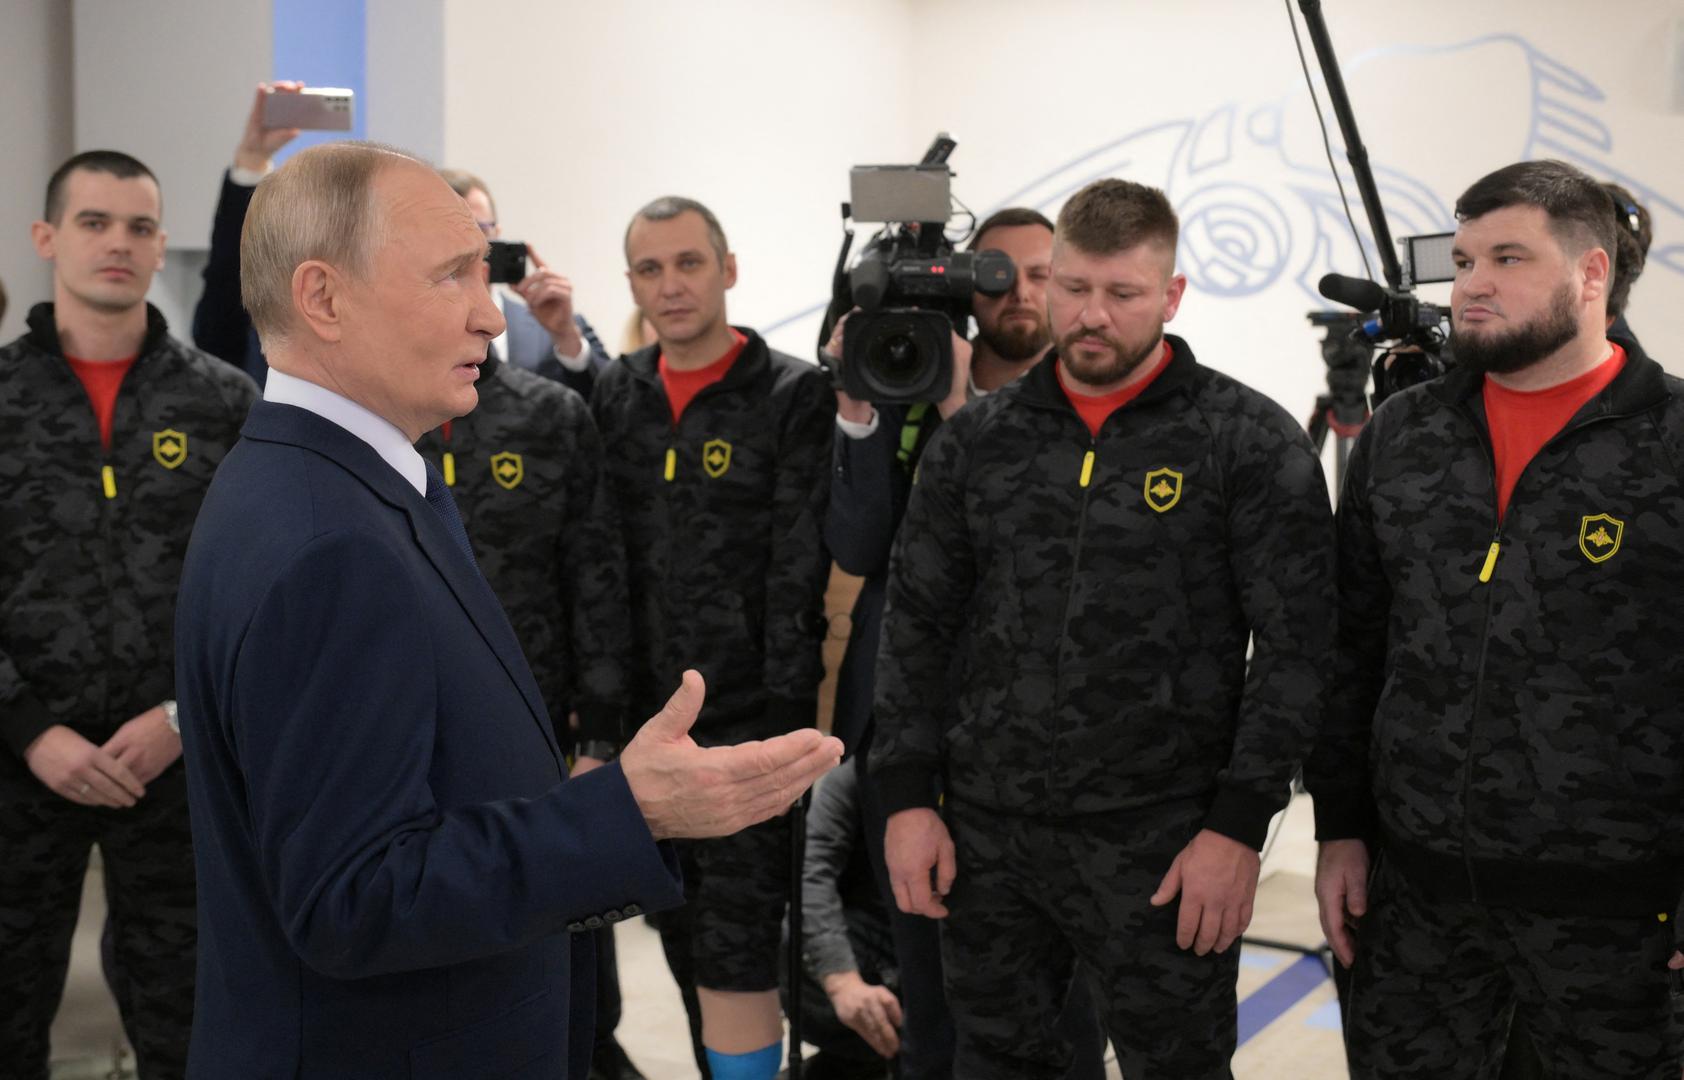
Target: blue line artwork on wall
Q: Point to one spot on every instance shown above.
(1258, 209)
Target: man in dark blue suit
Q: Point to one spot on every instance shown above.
(394, 879)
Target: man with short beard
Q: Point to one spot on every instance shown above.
(877, 448)
(1498, 786)
(1085, 557)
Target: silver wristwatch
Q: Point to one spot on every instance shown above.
(171, 717)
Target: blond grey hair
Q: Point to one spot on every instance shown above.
(320, 205)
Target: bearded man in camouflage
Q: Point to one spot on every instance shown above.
(1086, 555)
(1500, 786)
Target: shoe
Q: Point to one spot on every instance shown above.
(609, 1062)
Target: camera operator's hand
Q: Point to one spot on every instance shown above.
(915, 843)
(1342, 894)
(549, 296)
(258, 144)
(850, 409)
(956, 394)
(872, 1011)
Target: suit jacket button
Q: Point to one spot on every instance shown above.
(632, 910)
(612, 916)
(575, 927)
(594, 922)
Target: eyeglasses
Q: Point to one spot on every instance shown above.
(486, 227)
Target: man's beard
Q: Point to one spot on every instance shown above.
(1123, 360)
(1526, 344)
(1015, 340)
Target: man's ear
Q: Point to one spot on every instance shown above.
(1173, 292)
(730, 269)
(42, 235)
(318, 299)
(1594, 270)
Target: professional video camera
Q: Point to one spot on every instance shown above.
(1412, 330)
(912, 288)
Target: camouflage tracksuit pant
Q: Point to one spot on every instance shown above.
(1436, 982)
(148, 860)
(1034, 893)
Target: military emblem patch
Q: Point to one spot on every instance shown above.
(1163, 489)
(716, 457)
(169, 447)
(508, 470)
(1600, 536)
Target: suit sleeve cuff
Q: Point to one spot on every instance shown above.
(1242, 815)
(910, 786)
(791, 714)
(26, 718)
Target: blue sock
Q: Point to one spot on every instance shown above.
(761, 1064)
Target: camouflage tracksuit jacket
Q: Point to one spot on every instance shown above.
(723, 524)
(1508, 712)
(1068, 616)
(91, 541)
(525, 468)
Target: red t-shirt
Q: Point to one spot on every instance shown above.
(102, 379)
(1522, 421)
(683, 386)
(1094, 408)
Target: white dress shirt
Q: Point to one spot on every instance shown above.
(379, 433)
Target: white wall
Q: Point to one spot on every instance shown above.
(35, 120)
(576, 114)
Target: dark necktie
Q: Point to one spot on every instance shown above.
(439, 498)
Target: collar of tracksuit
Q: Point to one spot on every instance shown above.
(43, 330)
(1639, 386)
(645, 363)
(1039, 385)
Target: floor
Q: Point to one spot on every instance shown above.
(1289, 1023)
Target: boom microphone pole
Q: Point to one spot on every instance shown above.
(1355, 152)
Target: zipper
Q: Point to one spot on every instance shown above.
(447, 465)
(1084, 481)
(1486, 573)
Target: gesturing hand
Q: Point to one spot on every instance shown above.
(685, 790)
(1217, 879)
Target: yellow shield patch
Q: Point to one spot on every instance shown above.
(1163, 489)
(1600, 536)
(508, 470)
(169, 447)
(716, 457)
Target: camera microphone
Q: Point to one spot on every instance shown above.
(1353, 292)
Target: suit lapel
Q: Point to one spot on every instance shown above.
(300, 427)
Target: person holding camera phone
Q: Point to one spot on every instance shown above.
(1088, 556)
(718, 452)
(545, 334)
(1498, 784)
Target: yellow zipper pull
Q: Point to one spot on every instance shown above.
(1490, 562)
(449, 469)
(672, 464)
(1087, 468)
(108, 477)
